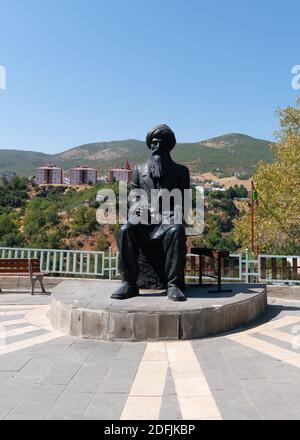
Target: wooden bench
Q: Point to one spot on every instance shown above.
(23, 267)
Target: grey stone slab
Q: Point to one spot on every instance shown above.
(105, 351)
(14, 361)
(106, 407)
(62, 370)
(84, 384)
(85, 344)
(52, 353)
(231, 398)
(170, 409)
(222, 379)
(291, 394)
(18, 315)
(278, 343)
(145, 326)
(245, 368)
(37, 402)
(267, 400)
(64, 340)
(210, 359)
(5, 410)
(240, 413)
(276, 412)
(131, 351)
(57, 379)
(17, 326)
(37, 366)
(120, 376)
(64, 415)
(209, 342)
(7, 375)
(169, 389)
(120, 326)
(94, 368)
(69, 405)
(23, 337)
(76, 355)
(275, 370)
(232, 350)
(168, 326)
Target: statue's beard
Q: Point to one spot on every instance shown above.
(158, 165)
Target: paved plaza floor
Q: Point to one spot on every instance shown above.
(252, 373)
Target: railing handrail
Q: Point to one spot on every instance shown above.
(101, 263)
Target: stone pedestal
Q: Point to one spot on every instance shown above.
(85, 309)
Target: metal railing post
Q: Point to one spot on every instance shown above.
(109, 263)
(246, 266)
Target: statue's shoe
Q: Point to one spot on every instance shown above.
(125, 291)
(175, 294)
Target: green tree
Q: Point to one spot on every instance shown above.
(277, 226)
(84, 220)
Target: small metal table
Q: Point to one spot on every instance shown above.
(216, 254)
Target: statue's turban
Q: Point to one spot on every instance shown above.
(163, 133)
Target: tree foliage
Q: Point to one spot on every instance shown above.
(277, 216)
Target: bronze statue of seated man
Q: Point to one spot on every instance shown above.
(163, 243)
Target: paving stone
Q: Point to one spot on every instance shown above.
(40, 399)
(57, 379)
(245, 368)
(276, 412)
(76, 354)
(169, 388)
(85, 384)
(18, 315)
(291, 394)
(14, 361)
(94, 368)
(210, 359)
(222, 379)
(278, 343)
(170, 409)
(131, 351)
(209, 342)
(24, 337)
(106, 406)
(232, 350)
(120, 376)
(69, 405)
(231, 398)
(240, 413)
(105, 351)
(267, 400)
(275, 370)
(37, 366)
(5, 409)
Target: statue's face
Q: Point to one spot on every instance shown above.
(158, 147)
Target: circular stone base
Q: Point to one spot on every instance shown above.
(85, 309)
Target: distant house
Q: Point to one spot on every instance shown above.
(49, 175)
(121, 174)
(83, 175)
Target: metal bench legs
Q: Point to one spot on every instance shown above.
(33, 280)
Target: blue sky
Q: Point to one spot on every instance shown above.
(94, 70)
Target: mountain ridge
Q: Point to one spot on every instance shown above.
(229, 153)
